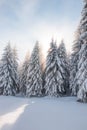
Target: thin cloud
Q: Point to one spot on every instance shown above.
(25, 21)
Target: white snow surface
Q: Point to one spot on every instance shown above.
(45, 113)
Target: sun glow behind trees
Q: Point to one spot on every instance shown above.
(44, 32)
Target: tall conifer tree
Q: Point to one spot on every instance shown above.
(8, 72)
(53, 78)
(34, 76)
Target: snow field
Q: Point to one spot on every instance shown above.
(42, 114)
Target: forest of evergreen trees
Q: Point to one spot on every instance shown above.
(63, 74)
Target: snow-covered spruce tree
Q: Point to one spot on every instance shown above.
(74, 66)
(34, 76)
(75, 88)
(81, 76)
(82, 34)
(23, 75)
(79, 87)
(74, 61)
(7, 72)
(53, 78)
(64, 65)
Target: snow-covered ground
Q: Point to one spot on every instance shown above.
(42, 114)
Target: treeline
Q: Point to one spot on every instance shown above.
(32, 79)
(62, 75)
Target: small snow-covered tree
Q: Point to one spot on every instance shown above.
(7, 72)
(53, 78)
(23, 75)
(34, 76)
(62, 54)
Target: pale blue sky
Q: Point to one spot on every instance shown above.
(25, 21)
